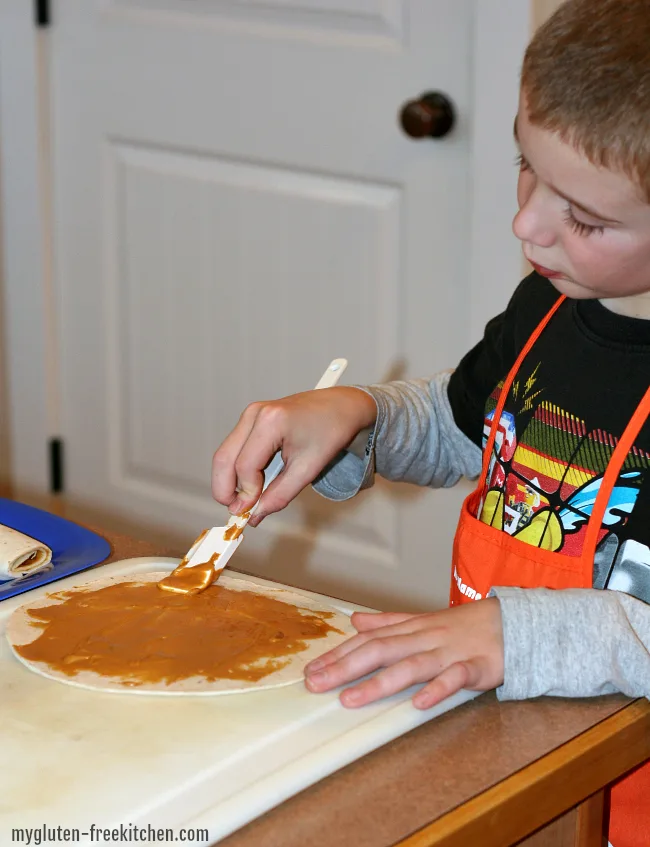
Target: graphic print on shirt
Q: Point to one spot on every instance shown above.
(542, 484)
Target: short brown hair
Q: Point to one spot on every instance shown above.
(586, 76)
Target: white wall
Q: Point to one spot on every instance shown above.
(23, 410)
(5, 451)
(10, 14)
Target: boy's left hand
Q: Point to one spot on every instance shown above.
(456, 648)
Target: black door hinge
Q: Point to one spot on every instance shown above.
(56, 465)
(42, 16)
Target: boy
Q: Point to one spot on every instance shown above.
(557, 395)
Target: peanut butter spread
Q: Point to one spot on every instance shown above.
(232, 532)
(184, 580)
(138, 634)
(235, 531)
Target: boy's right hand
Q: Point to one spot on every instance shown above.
(310, 428)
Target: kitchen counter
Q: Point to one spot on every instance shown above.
(485, 773)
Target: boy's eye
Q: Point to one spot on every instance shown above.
(579, 227)
(522, 163)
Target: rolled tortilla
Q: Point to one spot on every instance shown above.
(21, 555)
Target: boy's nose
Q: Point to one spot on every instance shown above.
(529, 226)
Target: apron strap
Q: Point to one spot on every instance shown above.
(610, 477)
(617, 459)
(487, 453)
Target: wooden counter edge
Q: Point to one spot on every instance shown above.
(548, 787)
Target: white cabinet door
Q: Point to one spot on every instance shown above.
(235, 204)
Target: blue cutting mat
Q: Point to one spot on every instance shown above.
(74, 548)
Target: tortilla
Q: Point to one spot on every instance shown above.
(20, 555)
(276, 663)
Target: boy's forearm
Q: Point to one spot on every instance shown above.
(574, 643)
(415, 439)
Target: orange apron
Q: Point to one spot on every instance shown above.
(485, 556)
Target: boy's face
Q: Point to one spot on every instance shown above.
(586, 228)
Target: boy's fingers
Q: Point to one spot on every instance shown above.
(404, 624)
(421, 667)
(297, 474)
(332, 656)
(262, 444)
(224, 476)
(367, 621)
(404, 650)
(418, 667)
(338, 653)
(459, 675)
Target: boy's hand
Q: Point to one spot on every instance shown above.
(310, 428)
(452, 649)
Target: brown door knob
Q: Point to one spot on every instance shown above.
(430, 116)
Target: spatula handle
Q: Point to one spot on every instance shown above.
(333, 373)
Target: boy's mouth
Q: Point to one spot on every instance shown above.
(547, 272)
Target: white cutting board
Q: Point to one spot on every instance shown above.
(72, 757)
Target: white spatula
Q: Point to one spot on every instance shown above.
(212, 550)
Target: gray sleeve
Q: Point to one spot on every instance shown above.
(573, 643)
(415, 439)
